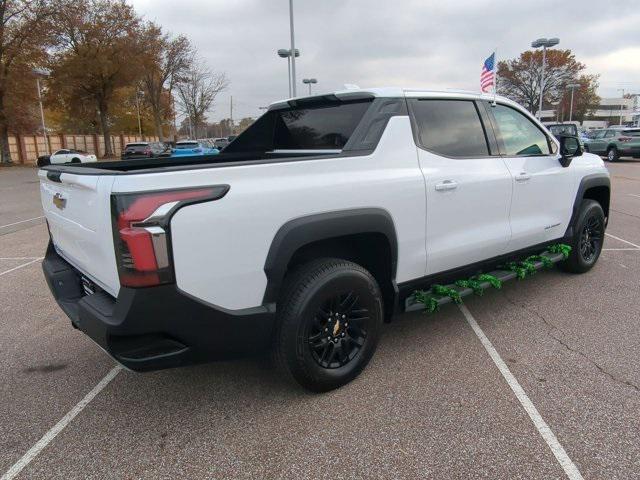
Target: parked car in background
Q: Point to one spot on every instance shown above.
(193, 147)
(220, 143)
(144, 150)
(231, 138)
(614, 143)
(559, 129)
(71, 156)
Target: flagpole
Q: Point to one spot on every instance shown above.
(495, 75)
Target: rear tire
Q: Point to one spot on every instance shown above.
(588, 238)
(613, 155)
(330, 319)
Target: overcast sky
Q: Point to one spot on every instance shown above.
(411, 43)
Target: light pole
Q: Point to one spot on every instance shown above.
(572, 86)
(285, 53)
(39, 72)
(544, 43)
(621, 103)
(292, 49)
(138, 109)
(309, 81)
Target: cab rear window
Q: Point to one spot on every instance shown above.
(322, 124)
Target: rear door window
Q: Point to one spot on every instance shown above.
(519, 135)
(449, 127)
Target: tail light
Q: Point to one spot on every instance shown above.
(141, 232)
(147, 151)
(625, 139)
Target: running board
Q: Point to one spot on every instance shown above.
(410, 305)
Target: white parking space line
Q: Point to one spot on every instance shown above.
(633, 195)
(20, 258)
(543, 429)
(623, 240)
(51, 434)
(21, 221)
(20, 266)
(621, 250)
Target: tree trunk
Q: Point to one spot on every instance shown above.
(104, 124)
(157, 118)
(5, 152)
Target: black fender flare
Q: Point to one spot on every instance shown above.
(301, 231)
(587, 182)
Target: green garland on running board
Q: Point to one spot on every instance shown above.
(526, 267)
(562, 248)
(474, 285)
(443, 291)
(429, 301)
(493, 281)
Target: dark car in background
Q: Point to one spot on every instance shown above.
(145, 150)
(614, 143)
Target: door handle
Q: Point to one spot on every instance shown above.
(446, 185)
(523, 177)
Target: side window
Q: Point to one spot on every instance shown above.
(599, 134)
(449, 127)
(609, 134)
(519, 135)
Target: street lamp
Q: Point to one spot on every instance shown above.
(544, 43)
(40, 72)
(572, 86)
(285, 53)
(292, 49)
(309, 81)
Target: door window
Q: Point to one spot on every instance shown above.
(519, 135)
(609, 134)
(449, 127)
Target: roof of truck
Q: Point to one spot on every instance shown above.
(390, 92)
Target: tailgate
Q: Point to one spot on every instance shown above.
(78, 211)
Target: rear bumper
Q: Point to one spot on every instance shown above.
(157, 327)
(630, 152)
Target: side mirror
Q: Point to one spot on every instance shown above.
(569, 148)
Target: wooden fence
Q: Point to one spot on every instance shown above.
(26, 149)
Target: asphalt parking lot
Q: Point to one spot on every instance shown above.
(435, 402)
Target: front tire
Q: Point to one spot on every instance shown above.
(330, 319)
(588, 238)
(613, 155)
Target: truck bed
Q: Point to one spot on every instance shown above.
(148, 165)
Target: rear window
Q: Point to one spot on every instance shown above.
(569, 129)
(136, 145)
(186, 145)
(632, 133)
(318, 128)
(449, 127)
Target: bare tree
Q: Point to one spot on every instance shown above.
(23, 38)
(167, 60)
(197, 91)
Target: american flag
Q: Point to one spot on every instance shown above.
(487, 77)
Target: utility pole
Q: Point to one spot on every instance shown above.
(139, 120)
(621, 103)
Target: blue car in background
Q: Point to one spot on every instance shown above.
(186, 148)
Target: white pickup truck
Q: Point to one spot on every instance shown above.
(312, 227)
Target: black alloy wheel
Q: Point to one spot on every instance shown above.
(339, 330)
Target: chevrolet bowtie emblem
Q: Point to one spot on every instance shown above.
(59, 201)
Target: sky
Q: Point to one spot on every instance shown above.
(404, 43)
